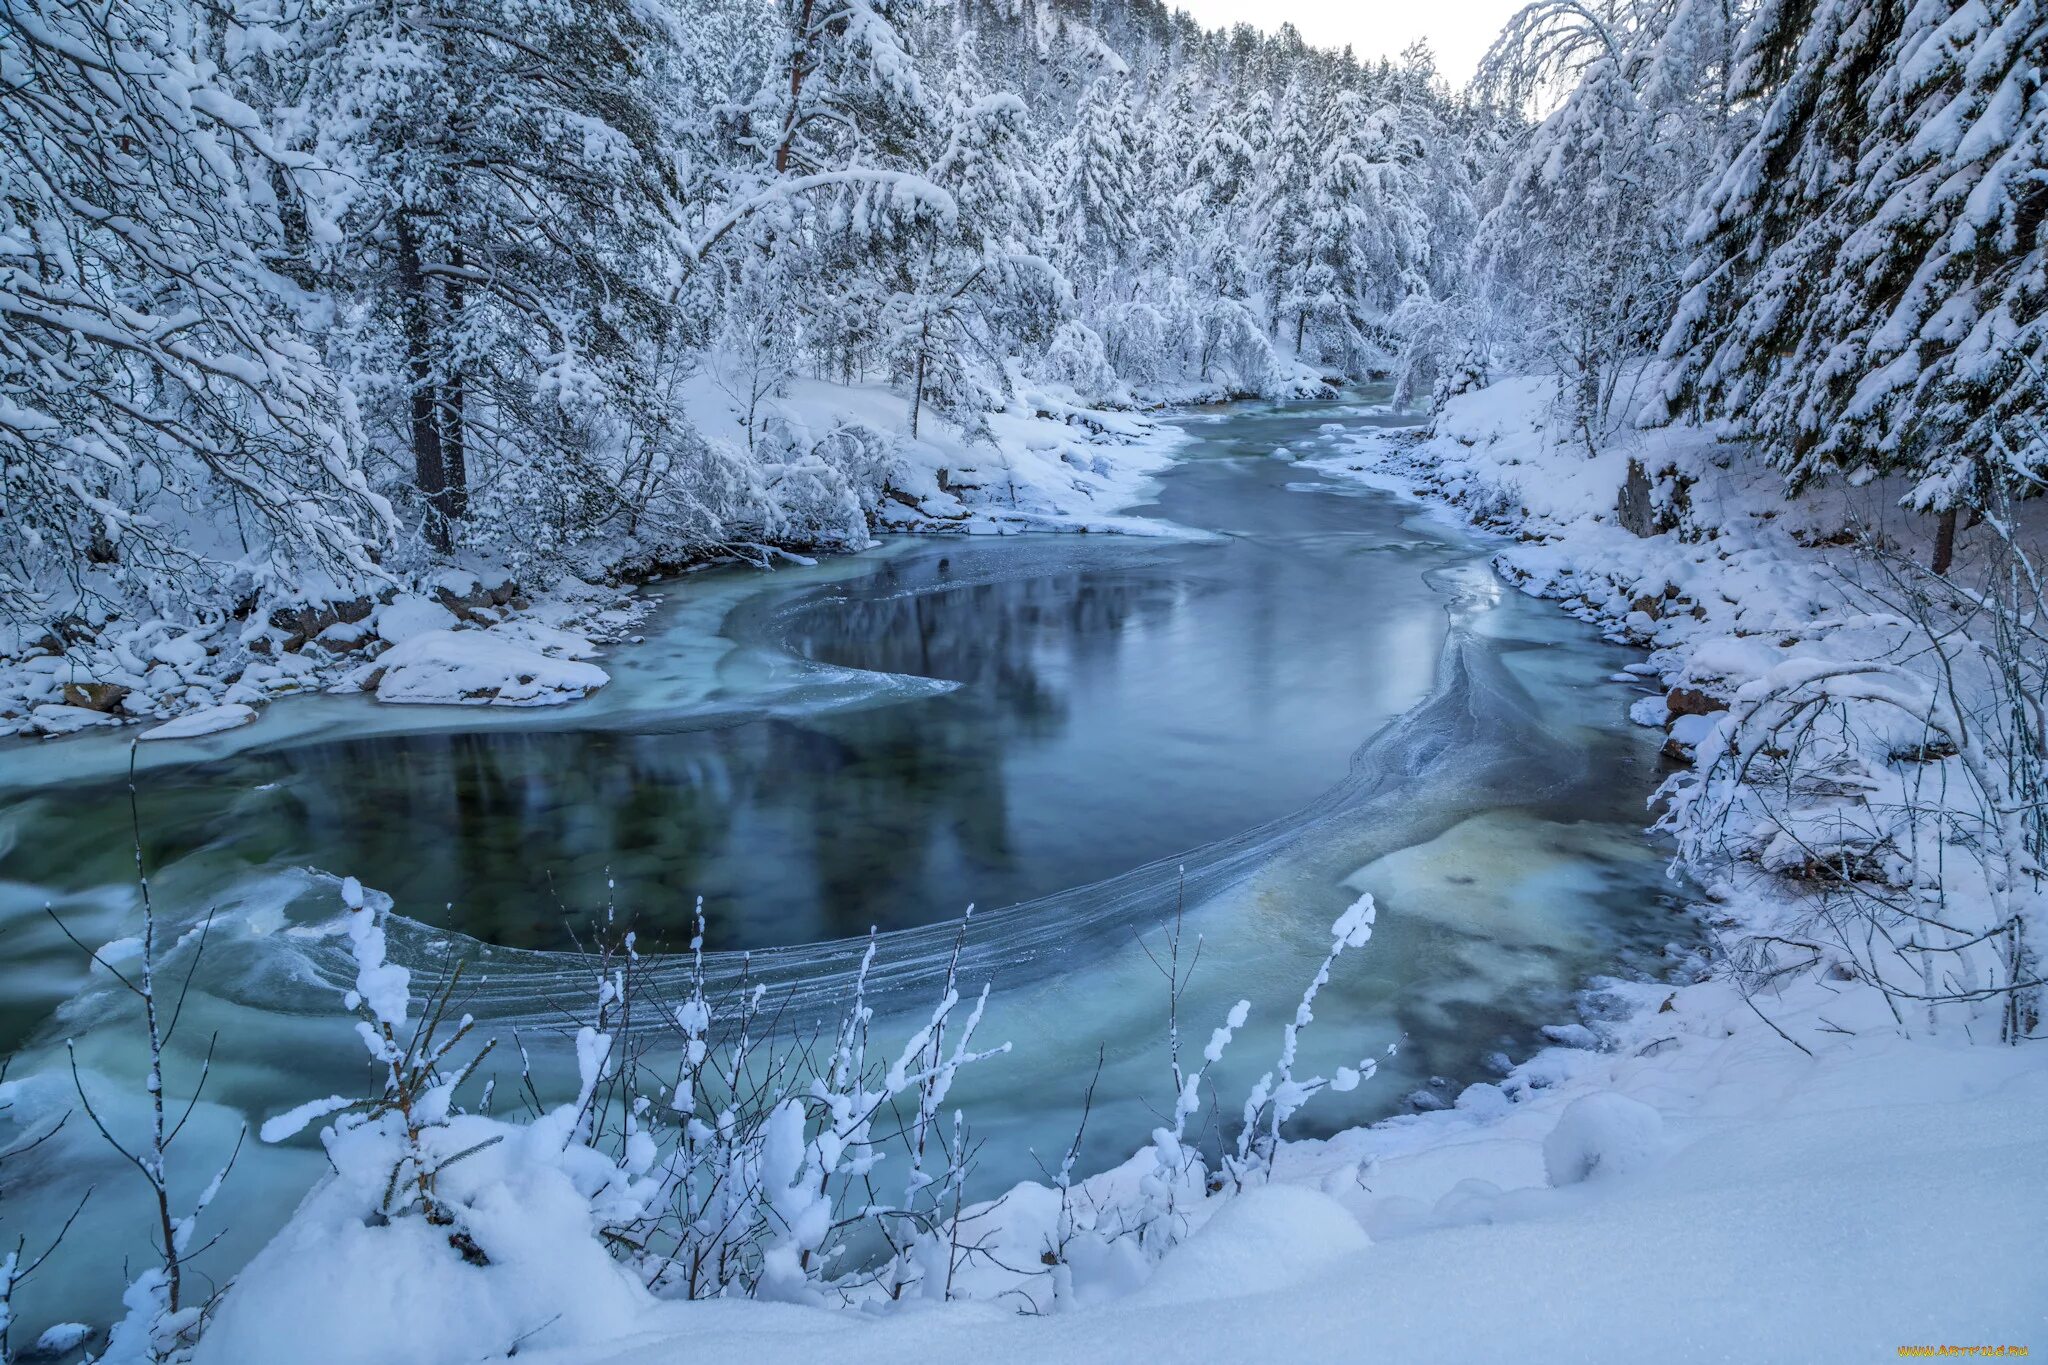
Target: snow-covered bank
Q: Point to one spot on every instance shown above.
(1819, 1217)
(495, 633)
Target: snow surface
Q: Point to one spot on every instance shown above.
(1820, 1217)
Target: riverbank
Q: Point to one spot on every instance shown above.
(485, 632)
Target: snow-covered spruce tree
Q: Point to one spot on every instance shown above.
(1286, 217)
(167, 436)
(496, 219)
(1216, 195)
(979, 282)
(843, 89)
(1369, 236)
(1447, 336)
(1098, 185)
(1869, 285)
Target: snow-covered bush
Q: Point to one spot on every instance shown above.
(17, 1262)
(1904, 791)
(769, 1167)
(1077, 358)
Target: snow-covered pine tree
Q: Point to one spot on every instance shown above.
(1869, 289)
(500, 212)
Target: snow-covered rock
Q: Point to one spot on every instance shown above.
(1604, 1134)
(59, 719)
(1692, 731)
(404, 617)
(480, 667)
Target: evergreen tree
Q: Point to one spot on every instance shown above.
(1869, 291)
(1096, 198)
(501, 212)
(1287, 212)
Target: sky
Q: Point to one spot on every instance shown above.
(1458, 30)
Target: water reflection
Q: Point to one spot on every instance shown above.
(1116, 702)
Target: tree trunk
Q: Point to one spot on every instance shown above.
(1944, 541)
(454, 445)
(917, 390)
(428, 470)
(800, 49)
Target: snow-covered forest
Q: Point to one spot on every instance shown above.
(388, 350)
(359, 287)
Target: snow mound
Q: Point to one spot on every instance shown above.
(404, 617)
(332, 1289)
(1264, 1239)
(58, 719)
(1604, 1134)
(206, 721)
(480, 668)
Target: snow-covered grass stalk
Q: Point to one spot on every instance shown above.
(1180, 1175)
(1278, 1095)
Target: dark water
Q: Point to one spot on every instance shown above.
(1117, 701)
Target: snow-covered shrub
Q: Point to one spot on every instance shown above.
(821, 490)
(756, 1173)
(768, 1167)
(1236, 352)
(1175, 1177)
(1077, 358)
(17, 1262)
(163, 1312)
(1903, 790)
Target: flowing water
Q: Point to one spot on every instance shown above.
(1299, 690)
